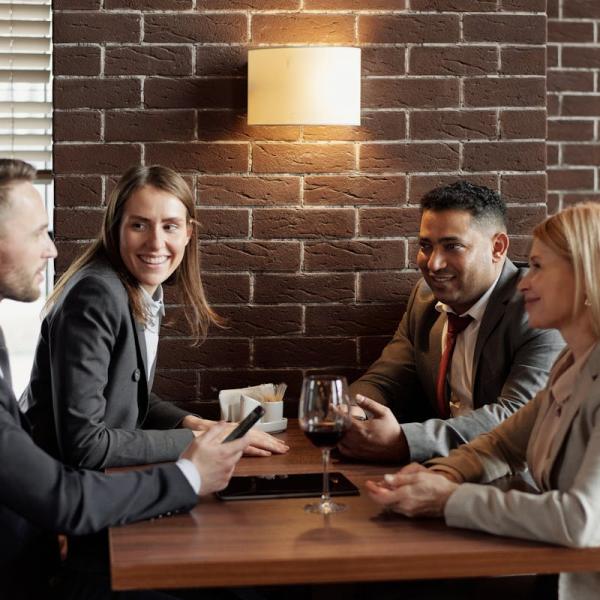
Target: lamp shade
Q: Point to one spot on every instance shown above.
(304, 86)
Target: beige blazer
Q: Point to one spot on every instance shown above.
(568, 512)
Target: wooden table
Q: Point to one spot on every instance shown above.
(262, 542)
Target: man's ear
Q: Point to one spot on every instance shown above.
(500, 245)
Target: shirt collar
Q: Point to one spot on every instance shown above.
(153, 305)
(478, 309)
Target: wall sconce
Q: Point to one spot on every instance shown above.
(304, 86)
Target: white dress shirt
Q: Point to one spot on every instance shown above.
(461, 367)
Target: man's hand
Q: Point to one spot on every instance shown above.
(378, 438)
(214, 460)
(414, 492)
(260, 443)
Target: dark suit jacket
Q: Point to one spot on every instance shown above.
(511, 363)
(39, 497)
(89, 402)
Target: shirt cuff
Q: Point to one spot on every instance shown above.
(190, 473)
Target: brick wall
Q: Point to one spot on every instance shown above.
(573, 102)
(308, 233)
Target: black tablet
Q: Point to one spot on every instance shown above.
(299, 485)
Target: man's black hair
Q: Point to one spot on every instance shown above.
(484, 204)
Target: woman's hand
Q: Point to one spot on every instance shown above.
(261, 443)
(414, 491)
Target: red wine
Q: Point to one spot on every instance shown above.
(325, 435)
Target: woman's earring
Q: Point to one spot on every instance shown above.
(587, 302)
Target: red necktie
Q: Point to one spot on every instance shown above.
(456, 325)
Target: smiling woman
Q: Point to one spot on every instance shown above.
(90, 392)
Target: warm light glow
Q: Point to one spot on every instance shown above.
(304, 86)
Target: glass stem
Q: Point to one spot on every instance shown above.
(325, 494)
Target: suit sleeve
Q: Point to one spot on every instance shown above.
(82, 338)
(59, 498)
(530, 367)
(567, 517)
(163, 414)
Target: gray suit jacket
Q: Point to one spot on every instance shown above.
(88, 395)
(511, 363)
(568, 512)
(39, 497)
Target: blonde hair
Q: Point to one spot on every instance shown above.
(574, 234)
(198, 313)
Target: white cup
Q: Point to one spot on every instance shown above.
(273, 411)
(247, 405)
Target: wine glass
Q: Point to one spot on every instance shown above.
(324, 416)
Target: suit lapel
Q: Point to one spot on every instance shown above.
(494, 312)
(142, 358)
(435, 356)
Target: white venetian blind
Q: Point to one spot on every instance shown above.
(25, 87)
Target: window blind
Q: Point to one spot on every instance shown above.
(25, 86)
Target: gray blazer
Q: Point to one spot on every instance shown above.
(39, 497)
(568, 512)
(89, 400)
(512, 363)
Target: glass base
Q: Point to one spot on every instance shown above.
(325, 508)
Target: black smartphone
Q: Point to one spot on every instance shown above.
(246, 424)
(297, 485)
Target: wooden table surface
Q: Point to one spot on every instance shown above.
(256, 542)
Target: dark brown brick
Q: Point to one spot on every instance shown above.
(351, 255)
(587, 105)
(522, 124)
(302, 158)
(454, 5)
(76, 4)
(249, 4)
(215, 158)
(162, 92)
(511, 29)
(581, 9)
(97, 93)
(409, 157)
(453, 60)
(303, 352)
(95, 158)
(523, 5)
(149, 125)
(248, 191)
(226, 125)
(355, 4)
(202, 28)
(77, 224)
(68, 251)
(352, 320)
(561, 32)
(504, 156)
(405, 92)
(583, 196)
(570, 179)
(522, 219)
(148, 60)
(221, 60)
(505, 91)
(552, 56)
(552, 105)
(519, 248)
(571, 81)
(176, 385)
(374, 125)
(421, 184)
(76, 126)
(523, 60)
(75, 60)
(250, 256)
(581, 154)
(229, 288)
(95, 27)
(305, 289)
(407, 29)
(179, 354)
(383, 60)
(387, 286)
(450, 124)
(221, 223)
(302, 223)
(570, 130)
(389, 222)
(370, 348)
(552, 154)
(148, 4)
(355, 191)
(582, 57)
(302, 28)
(552, 8)
(524, 188)
(77, 191)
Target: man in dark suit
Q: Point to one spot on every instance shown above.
(40, 496)
(463, 358)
